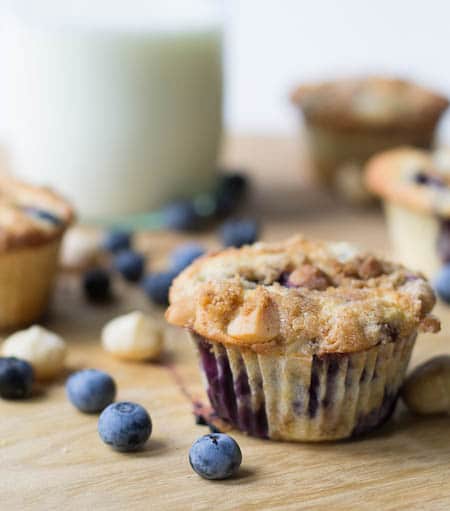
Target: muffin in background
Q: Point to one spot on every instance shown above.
(32, 223)
(302, 340)
(415, 187)
(347, 121)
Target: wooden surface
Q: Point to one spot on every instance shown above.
(52, 458)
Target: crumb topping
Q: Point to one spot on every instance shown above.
(30, 215)
(300, 296)
(370, 103)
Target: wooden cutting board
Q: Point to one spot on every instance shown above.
(51, 455)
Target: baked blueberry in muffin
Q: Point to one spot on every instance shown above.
(32, 223)
(349, 120)
(415, 187)
(302, 340)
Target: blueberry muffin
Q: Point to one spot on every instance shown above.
(415, 187)
(302, 340)
(349, 120)
(32, 223)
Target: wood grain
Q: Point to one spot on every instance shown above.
(52, 458)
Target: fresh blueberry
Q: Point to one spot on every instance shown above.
(215, 456)
(180, 215)
(157, 285)
(97, 285)
(90, 390)
(130, 265)
(16, 378)
(231, 188)
(205, 206)
(43, 214)
(117, 240)
(184, 255)
(442, 283)
(125, 426)
(236, 233)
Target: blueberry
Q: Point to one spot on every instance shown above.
(90, 390)
(125, 426)
(423, 178)
(16, 378)
(236, 233)
(205, 205)
(215, 456)
(97, 285)
(184, 255)
(231, 188)
(130, 265)
(117, 240)
(157, 285)
(180, 215)
(43, 214)
(442, 283)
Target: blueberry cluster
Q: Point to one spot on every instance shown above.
(131, 265)
(180, 215)
(124, 426)
(190, 215)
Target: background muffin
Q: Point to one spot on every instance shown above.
(414, 186)
(32, 223)
(349, 120)
(302, 340)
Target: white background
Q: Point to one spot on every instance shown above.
(274, 44)
(271, 45)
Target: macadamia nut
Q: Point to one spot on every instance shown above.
(426, 391)
(44, 350)
(80, 249)
(134, 336)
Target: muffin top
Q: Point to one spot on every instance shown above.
(413, 178)
(30, 215)
(300, 297)
(370, 103)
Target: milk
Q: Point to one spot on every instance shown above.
(118, 116)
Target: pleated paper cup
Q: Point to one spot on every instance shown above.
(26, 280)
(304, 398)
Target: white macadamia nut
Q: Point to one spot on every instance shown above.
(80, 249)
(426, 391)
(134, 336)
(44, 350)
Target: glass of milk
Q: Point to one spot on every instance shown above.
(117, 104)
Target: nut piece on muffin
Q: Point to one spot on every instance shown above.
(32, 223)
(415, 187)
(348, 120)
(302, 340)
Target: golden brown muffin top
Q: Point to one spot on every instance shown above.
(371, 103)
(413, 178)
(30, 215)
(300, 297)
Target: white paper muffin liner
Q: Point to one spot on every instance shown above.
(300, 398)
(26, 281)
